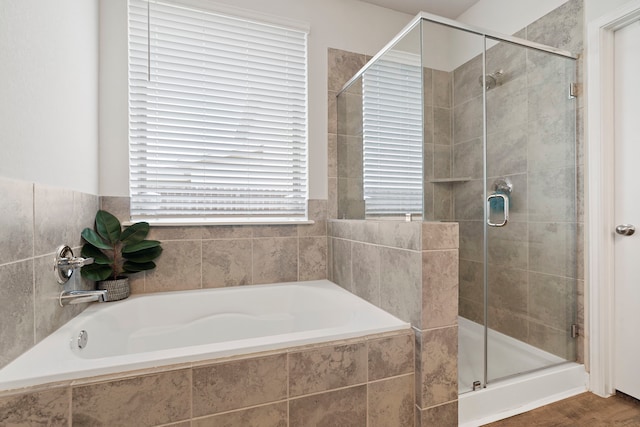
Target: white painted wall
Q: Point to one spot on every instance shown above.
(49, 92)
(594, 9)
(343, 24)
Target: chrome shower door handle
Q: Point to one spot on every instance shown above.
(505, 201)
(625, 229)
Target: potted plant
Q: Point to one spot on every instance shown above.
(116, 253)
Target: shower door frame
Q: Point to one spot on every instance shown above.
(485, 34)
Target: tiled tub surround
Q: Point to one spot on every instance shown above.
(35, 220)
(217, 256)
(536, 262)
(364, 381)
(409, 269)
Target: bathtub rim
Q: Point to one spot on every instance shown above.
(201, 359)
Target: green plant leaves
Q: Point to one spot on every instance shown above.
(116, 251)
(92, 237)
(135, 233)
(99, 257)
(134, 267)
(144, 255)
(108, 227)
(145, 244)
(96, 272)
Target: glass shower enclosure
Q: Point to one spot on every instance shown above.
(451, 123)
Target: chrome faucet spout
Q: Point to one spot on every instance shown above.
(79, 297)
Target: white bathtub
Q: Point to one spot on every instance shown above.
(160, 329)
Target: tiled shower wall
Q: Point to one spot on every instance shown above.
(218, 256)
(409, 269)
(36, 219)
(438, 161)
(536, 262)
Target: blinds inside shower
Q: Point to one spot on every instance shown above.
(217, 116)
(392, 135)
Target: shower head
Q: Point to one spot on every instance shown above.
(489, 81)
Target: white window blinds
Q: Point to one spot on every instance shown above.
(217, 116)
(392, 134)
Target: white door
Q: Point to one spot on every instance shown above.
(627, 210)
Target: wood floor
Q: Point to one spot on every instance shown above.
(584, 410)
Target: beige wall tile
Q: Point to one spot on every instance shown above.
(53, 208)
(117, 206)
(227, 232)
(275, 260)
(327, 368)
(178, 267)
(445, 415)
(465, 77)
(274, 231)
(400, 234)
(342, 65)
(226, 263)
(467, 118)
(46, 408)
(274, 415)
(510, 323)
(438, 235)
(552, 248)
(312, 258)
(332, 117)
(16, 317)
(471, 277)
(391, 356)
(175, 233)
(442, 90)
(442, 119)
(16, 220)
(391, 402)
(508, 246)
(437, 350)
(508, 289)
(49, 316)
(555, 341)
(552, 300)
(142, 401)
(468, 159)
(318, 213)
(401, 284)
(332, 155)
(366, 272)
(342, 263)
(344, 408)
(439, 288)
(237, 384)
(332, 207)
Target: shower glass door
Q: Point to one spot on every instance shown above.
(531, 225)
(454, 174)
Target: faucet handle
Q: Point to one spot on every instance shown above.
(65, 263)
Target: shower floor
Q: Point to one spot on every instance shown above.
(507, 356)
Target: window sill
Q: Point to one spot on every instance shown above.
(221, 222)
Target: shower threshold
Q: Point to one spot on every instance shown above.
(549, 378)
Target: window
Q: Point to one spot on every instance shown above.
(217, 116)
(392, 134)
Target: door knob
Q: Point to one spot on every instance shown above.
(625, 229)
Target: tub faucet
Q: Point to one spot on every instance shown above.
(79, 297)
